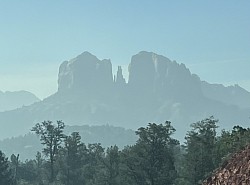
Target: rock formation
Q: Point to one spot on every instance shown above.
(119, 79)
(157, 90)
(86, 75)
(235, 171)
(152, 73)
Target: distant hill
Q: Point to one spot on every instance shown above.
(231, 95)
(17, 99)
(28, 145)
(157, 90)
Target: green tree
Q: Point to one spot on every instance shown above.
(131, 166)
(27, 172)
(15, 165)
(93, 163)
(240, 137)
(200, 150)
(6, 177)
(51, 137)
(151, 160)
(230, 142)
(39, 161)
(111, 164)
(73, 153)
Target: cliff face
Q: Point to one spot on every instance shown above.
(152, 73)
(149, 74)
(156, 87)
(157, 90)
(85, 74)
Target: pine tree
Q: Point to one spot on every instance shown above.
(5, 173)
(151, 160)
(72, 154)
(200, 150)
(51, 137)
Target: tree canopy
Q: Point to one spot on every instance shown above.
(155, 159)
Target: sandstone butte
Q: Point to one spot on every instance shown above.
(235, 171)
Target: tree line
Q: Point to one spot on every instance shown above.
(155, 159)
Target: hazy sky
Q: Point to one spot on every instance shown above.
(211, 37)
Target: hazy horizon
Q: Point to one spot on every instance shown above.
(35, 83)
(210, 37)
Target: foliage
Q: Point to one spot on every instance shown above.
(200, 150)
(5, 173)
(230, 142)
(51, 137)
(72, 159)
(111, 164)
(15, 167)
(155, 159)
(152, 156)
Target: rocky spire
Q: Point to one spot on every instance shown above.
(119, 79)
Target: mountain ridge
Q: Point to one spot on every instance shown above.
(157, 90)
(28, 144)
(10, 100)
